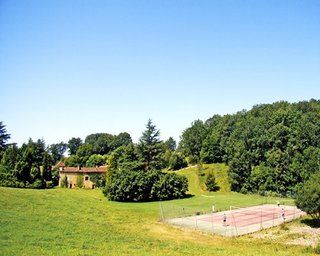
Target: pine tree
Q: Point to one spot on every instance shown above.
(4, 136)
(150, 147)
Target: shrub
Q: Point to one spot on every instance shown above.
(39, 184)
(177, 161)
(49, 184)
(193, 159)
(98, 179)
(170, 186)
(308, 197)
(80, 181)
(143, 185)
(211, 182)
(128, 185)
(64, 182)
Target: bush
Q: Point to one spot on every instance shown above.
(170, 186)
(149, 185)
(49, 184)
(39, 184)
(64, 182)
(98, 179)
(80, 181)
(128, 185)
(308, 197)
(177, 161)
(211, 182)
(193, 159)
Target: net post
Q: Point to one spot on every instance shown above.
(161, 211)
(196, 222)
(212, 222)
(235, 224)
(261, 218)
(273, 217)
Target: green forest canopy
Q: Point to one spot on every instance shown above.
(270, 148)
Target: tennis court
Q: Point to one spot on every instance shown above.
(239, 221)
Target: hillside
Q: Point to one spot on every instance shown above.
(270, 149)
(83, 222)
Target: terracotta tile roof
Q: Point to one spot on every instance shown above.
(60, 164)
(100, 169)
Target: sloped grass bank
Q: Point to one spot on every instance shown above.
(83, 222)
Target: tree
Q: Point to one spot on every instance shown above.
(4, 136)
(170, 144)
(10, 156)
(84, 152)
(211, 151)
(211, 182)
(31, 155)
(73, 145)
(100, 142)
(308, 197)
(73, 160)
(57, 151)
(150, 147)
(122, 139)
(192, 139)
(96, 160)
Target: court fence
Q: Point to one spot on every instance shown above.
(231, 222)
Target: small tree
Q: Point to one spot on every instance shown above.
(80, 181)
(64, 182)
(211, 182)
(308, 197)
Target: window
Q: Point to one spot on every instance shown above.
(86, 178)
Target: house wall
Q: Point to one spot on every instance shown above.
(72, 180)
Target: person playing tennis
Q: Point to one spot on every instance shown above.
(224, 219)
(283, 214)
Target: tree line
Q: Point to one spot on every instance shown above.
(33, 164)
(270, 149)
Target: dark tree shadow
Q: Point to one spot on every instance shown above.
(313, 223)
(189, 196)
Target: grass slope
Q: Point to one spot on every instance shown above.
(197, 174)
(83, 222)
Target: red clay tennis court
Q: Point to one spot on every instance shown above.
(239, 221)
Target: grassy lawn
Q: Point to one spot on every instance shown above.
(83, 222)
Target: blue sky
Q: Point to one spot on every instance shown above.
(71, 68)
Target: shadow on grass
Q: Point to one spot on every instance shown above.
(189, 196)
(313, 223)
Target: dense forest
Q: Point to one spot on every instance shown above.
(272, 148)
